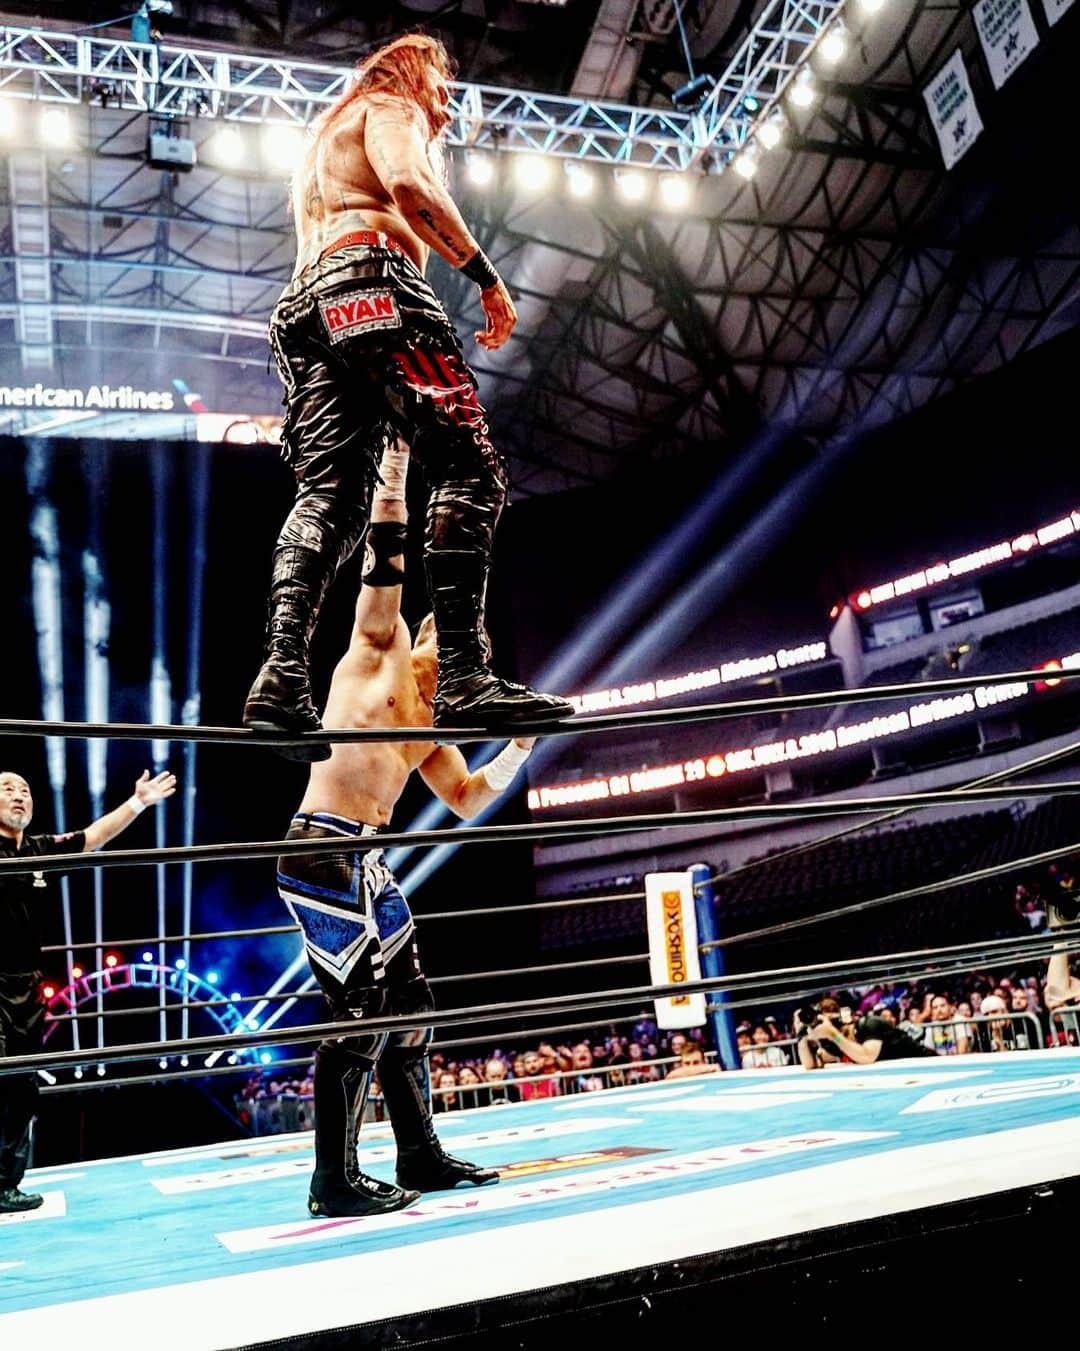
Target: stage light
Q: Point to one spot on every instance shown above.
(480, 169)
(690, 96)
(283, 145)
(148, 956)
(101, 1071)
(48, 991)
(111, 960)
(163, 1063)
(211, 978)
(834, 43)
(745, 163)
(803, 91)
(532, 171)
(76, 973)
(183, 1062)
(864, 600)
(579, 180)
(675, 190)
(55, 127)
(253, 1024)
(771, 132)
(632, 185)
(78, 1073)
(236, 995)
(834, 613)
(231, 1060)
(7, 118)
(180, 964)
(227, 148)
(751, 104)
(871, 6)
(266, 1057)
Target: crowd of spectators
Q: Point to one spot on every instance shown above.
(982, 1011)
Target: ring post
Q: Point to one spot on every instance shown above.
(712, 962)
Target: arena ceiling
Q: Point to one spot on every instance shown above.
(852, 280)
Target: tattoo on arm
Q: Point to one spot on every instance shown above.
(429, 220)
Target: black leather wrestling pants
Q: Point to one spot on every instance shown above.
(365, 350)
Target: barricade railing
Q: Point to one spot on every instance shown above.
(758, 1058)
(1065, 1026)
(1012, 1031)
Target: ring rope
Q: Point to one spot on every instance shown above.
(1036, 762)
(557, 830)
(908, 894)
(1030, 949)
(179, 1007)
(566, 903)
(576, 726)
(318, 994)
(167, 1076)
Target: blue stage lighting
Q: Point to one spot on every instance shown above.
(180, 964)
(266, 1057)
(211, 977)
(148, 956)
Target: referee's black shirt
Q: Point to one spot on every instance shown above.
(22, 896)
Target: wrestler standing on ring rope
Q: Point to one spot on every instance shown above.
(360, 340)
(358, 931)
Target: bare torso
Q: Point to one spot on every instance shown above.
(337, 190)
(370, 688)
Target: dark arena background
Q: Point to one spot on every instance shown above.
(790, 413)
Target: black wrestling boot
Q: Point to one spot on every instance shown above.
(468, 693)
(364, 1196)
(338, 1187)
(422, 1163)
(12, 1200)
(280, 699)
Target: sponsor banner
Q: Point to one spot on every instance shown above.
(561, 1163)
(847, 1082)
(673, 946)
(1007, 33)
(733, 1102)
(212, 1180)
(54, 1207)
(952, 109)
(523, 1195)
(990, 1095)
(99, 398)
(1056, 9)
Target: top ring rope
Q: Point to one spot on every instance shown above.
(553, 830)
(614, 722)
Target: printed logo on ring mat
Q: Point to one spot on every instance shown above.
(359, 312)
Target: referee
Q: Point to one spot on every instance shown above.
(21, 1011)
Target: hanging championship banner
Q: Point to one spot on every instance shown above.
(673, 947)
(1007, 33)
(1056, 8)
(952, 109)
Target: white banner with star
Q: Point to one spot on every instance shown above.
(1007, 33)
(952, 109)
(1056, 8)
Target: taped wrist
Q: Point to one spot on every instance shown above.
(480, 270)
(499, 773)
(393, 471)
(385, 541)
